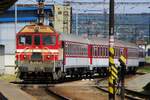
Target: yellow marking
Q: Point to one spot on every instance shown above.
(111, 90)
(111, 50)
(111, 60)
(111, 80)
(114, 75)
(114, 69)
(109, 69)
(123, 59)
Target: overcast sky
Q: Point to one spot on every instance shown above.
(87, 0)
(119, 8)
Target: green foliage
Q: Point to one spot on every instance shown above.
(147, 59)
(145, 69)
(8, 78)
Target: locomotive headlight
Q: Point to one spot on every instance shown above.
(25, 56)
(48, 56)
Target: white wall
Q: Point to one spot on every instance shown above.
(2, 60)
(8, 38)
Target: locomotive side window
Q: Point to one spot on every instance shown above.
(25, 40)
(49, 40)
(37, 40)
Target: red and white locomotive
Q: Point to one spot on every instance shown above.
(41, 52)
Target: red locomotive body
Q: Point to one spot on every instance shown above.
(37, 48)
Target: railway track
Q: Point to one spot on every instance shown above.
(129, 94)
(134, 95)
(42, 92)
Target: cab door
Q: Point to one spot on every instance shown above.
(125, 53)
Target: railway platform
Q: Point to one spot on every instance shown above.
(12, 92)
(138, 83)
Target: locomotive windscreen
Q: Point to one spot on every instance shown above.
(25, 40)
(37, 40)
(49, 40)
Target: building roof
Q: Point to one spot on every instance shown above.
(5, 4)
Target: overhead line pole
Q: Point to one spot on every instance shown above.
(112, 67)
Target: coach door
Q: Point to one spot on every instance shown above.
(125, 53)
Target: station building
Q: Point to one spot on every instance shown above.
(132, 18)
(25, 13)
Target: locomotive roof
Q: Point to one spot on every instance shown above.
(96, 40)
(37, 28)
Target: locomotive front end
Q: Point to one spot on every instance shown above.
(37, 53)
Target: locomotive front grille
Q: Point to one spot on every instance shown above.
(36, 56)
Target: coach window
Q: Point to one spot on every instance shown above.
(115, 52)
(66, 48)
(95, 52)
(74, 49)
(49, 40)
(106, 52)
(25, 40)
(101, 50)
(85, 51)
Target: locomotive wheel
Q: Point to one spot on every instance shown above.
(54, 75)
(57, 75)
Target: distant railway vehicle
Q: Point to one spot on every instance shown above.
(142, 57)
(41, 52)
(148, 54)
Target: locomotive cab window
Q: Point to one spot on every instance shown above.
(49, 40)
(25, 40)
(37, 40)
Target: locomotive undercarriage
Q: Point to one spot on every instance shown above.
(86, 72)
(38, 70)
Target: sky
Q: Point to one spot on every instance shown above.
(119, 8)
(60, 1)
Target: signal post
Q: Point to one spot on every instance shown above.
(122, 61)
